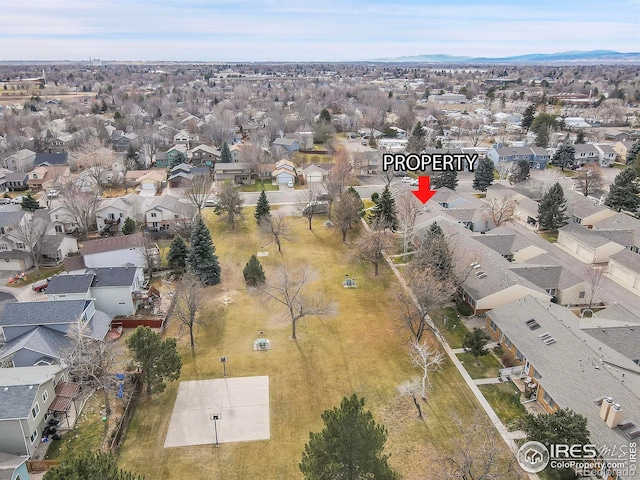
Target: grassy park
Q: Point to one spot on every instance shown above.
(360, 349)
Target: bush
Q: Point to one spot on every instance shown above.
(497, 350)
(507, 361)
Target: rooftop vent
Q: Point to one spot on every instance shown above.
(532, 324)
(481, 274)
(547, 338)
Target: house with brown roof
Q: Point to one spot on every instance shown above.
(117, 251)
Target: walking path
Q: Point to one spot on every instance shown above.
(487, 381)
(502, 430)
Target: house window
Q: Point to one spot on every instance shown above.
(493, 326)
(121, 214)
(519, 355)
(45, 395)
(507, 342)
(536, 375)
(548, 400)
(33, 436)
(56, 216)
(551, 291)
(35, 410)
(19, 245)
(58, 228)
(581, 295)
(153, 215)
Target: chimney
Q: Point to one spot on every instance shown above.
(604, 409)
(614, 416)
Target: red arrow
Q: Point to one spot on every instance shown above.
(424, 192)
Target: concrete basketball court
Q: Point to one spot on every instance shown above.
(241, 403)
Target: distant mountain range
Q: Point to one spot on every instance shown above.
(563, 58)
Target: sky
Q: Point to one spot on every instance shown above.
(332, 30)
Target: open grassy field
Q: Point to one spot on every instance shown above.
(505, 400)
(361, 349)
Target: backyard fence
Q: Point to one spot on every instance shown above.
(41, 465)
(129, 410)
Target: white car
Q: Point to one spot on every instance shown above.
(290, 184)
(53, 193)
(414, 182)
(406, 179)
(18, 200)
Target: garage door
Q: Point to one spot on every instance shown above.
(585, 253)
(618, 272)
(12, 265)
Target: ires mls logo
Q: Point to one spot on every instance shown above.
(533, 457)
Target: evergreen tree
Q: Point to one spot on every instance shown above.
(475, 343)
(253, 272)
(355, 193)
(564, 156)
(521, 172)
(325, 116)
(384, 213)
(129, 226)
(90, 466)
(225, 154)
(158, 358)
(623, 193)
(433, 254)
(483, 177)
(263, 208)
(178, 251)
(551, 208)
(349, 447)
(447, 179)
(580, 137)
(201, 258)
(560, 427)
(417, 139)
(177, 159)
(131, 158)
(527, 116)
(29, 204)
(543, 136)
(633, 152)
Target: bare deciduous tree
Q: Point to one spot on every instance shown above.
(275, 227)
(31, 232)
(290, 289)
(230, 203)
(477, 455)
(255, 155)
(500, 210)
(594, 281)
(408, 208)
(346, 212)
(411, 388)
(79, 207)
(505, 169)
(370, 245)
(307, 200)
(589, 180)
(427, 358)
(150, 251)
(93, 362)
(198, 189)
(189, 298)
(95, 159)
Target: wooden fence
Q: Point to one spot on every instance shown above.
(41, 465)
(129, 410)
(137, 322)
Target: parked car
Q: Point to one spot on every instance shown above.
(414, 182)
(212, 201)
(18, 200)
(40, 286)
(406, 179)
(4, 201)
(290, 184)
(53, 193)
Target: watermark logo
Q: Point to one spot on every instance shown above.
(533, 457)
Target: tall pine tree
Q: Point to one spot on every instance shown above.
(263, 208)
(551, 208)
(30, 204)
(225, 154)
(520, 172)
(564, 156)
(484, 175)
(252, 272)
(201, 258)
(623, 193)
(447, 179)
(177, 159)
(385, 210)
(527, 116)
(417, 139)
(632, 153)
(178, 251)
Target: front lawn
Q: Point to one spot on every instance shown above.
(549, 236)
(489, 365)
(450, 326)
(45, 272)
(258, 187)
(504, 398)
(361, 349)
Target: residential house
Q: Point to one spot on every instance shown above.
(509, 243)
(586, 153)
(366, 163)
(62, 222)
(58, 143)
(525, 209)
(537, 157)
(112, 212)
(473, 218)
(621, 148)
(160, 160)
(13, 467)
(284, 172)
(593, 246)
(168, 213)
(616, 327)
(448, 98)
(55, 248)
(565, 367)
(185, 138)
(115, 290)
(181, 175)
(16, 181)
(26, 395)
(584, 210)
(316, 173)
(50, 159)
(606, 155)
(21, 161)
(204, 155)
(393, 145)
(288, 145)
(238, 173)
(48, 177)
(36, 332)
(151, 182)
(171, 155)
(3, 181)
(115, 251)
(447, 198)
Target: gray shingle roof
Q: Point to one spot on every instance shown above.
(110, 244)
(9, 463)
(628, 259)
(10, 219)
(576, 369)
(625, 340)
(619, 221)
(41, 313)
(548, 276)
(48, 342)
(16, 401)
(501, 244)
(99, 325)
(69, 283)
(113, 276)
(598, 238)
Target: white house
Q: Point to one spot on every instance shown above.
(112, 212)
(167, 213)
(593, 246)
(21, 161)
(115, 251)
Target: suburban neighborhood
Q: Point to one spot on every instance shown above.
(206, 271)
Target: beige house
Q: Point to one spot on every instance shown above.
(525, 209)
(593, 246)
(621, 149)
(583, 210)
(624, 268)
